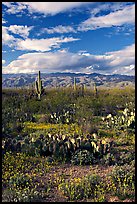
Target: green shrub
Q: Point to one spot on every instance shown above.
(125, 158)
(108, 159)
(20, 181)
(88, 187)
(82, 157)
(25, 195)
(123, 178)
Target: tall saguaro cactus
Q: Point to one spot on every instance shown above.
(83, 88)
(74, 83)
(95, 89)
(38, 86)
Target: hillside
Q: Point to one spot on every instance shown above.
(66, 80)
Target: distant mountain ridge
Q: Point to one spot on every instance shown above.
(59, 79)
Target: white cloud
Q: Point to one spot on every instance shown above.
(46, 62)
(51, 8)
(31, 44)
(121, 62)
(7, 34)
(43, 44)
(3, 61)
(59, 29)
(107, 6)
(116, 18)
(3, 21)
(7, 39)
(14, 7)
(23, 31)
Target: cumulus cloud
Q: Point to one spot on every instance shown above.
(22, 31)
(46, 62)
(116, 18)
(3, 21)
(59, 29)
(107, 6)
(43, 44)
(122, 56)
(120, 62)
(14, 7)
(31, 44)
(47, 8)
(7, 39)
(3, 61)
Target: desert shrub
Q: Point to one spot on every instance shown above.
(25, 195)
(83, 188)
(125, 158)
(20, 181)
(19, 178)
(82, 157)
(108, 159)
(44, 119)
(89, 127)
(105, 133)
(123, 179)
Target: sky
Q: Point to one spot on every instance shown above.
(78, 37)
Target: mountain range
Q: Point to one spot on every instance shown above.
(67, 79)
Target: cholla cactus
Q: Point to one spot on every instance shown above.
(38, 86)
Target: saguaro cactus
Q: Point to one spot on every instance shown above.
(74, 83)
(38, 86)
(95, 89)
(82, 89)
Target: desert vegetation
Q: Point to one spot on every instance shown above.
(68, 144)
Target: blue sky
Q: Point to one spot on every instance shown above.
(84, 37)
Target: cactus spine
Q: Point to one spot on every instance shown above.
(38, 85)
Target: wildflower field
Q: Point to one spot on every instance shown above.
(68, 145)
